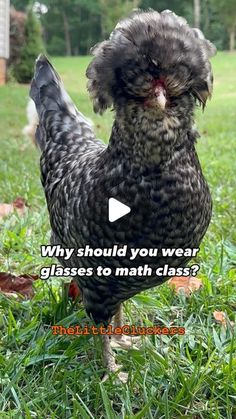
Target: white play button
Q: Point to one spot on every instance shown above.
(116, 209)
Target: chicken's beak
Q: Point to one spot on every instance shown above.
(160, 94)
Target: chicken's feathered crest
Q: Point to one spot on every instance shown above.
(149, 37)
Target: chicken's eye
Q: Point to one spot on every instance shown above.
(183, 70)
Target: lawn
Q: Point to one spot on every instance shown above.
(190, 376)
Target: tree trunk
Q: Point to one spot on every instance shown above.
(206, 21)
(197, 13)
(232, 39)
(66, 34)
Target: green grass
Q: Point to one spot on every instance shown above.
(190, 376)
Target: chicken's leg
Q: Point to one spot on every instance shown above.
(121, 340)
(109, 360)
(116, 341)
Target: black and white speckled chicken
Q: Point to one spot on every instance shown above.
(152, 71)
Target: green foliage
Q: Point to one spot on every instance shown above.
(212, 25)
(76, 22)
(179, 7)
(72, 27)
(20, 4)
(33, 45)
(112, 12)
(56, 46)
(227, 11)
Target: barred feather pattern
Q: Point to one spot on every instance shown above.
(150, 164)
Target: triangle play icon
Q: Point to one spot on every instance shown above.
(116, 209)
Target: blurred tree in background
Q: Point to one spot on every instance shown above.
(111, 15)
(72, 27)
(227, 13)
(32, 45)
(17, 35)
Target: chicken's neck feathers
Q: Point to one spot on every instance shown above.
(144, 137)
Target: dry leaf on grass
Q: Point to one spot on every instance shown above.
(12, 285)
(220, 317)
(18, 205)
(185, 284)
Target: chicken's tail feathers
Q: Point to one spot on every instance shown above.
(50, 98)
(54, 106)
(47, 90)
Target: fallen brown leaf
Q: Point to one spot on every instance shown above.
(18, 205)
(11, 284)
(185, 284)
(5, 210)
(220, 317)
